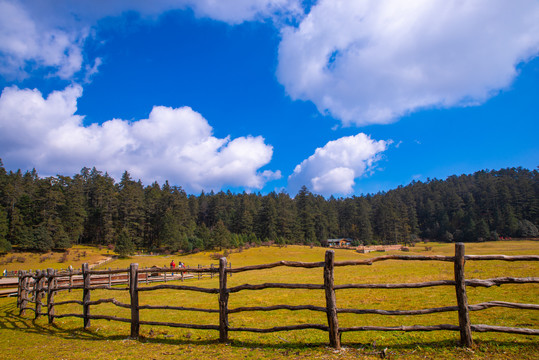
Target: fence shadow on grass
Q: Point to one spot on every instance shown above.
(10, 320)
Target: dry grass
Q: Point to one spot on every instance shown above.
(23, 338)
(74, 256)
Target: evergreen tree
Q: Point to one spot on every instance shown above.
(61, 239)
(5, 245)
(204, 236)
(42, 240)
(131, 208)
(124, 245)
(102, 207)
(220, 235)
(170, 234)
(73, 213)
(267, 219)
(364, 226)
(527, 229)
(286, 217)
(305, 219)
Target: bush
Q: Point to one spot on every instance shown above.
(63, 259)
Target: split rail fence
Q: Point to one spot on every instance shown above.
(35, 287)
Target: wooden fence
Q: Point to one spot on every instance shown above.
(33, 288)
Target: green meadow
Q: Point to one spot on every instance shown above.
(24, 337)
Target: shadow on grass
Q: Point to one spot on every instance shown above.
(10, 320)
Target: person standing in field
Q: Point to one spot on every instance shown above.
(172, 264)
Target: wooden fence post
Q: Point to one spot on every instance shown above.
(70, 277)
(38, 295)
(133, 292)
(462, 298)
(331, 302)
(55, 283)
(19, 289)
(223, 302)
(50, 294)
(24, 293)
(110, 278)
(211, 273)
(86, 295)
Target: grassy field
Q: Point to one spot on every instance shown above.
(23, 337)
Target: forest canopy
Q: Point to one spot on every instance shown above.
(92, 208)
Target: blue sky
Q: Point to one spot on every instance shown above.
(344, 97)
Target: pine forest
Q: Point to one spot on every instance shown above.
(41, 214)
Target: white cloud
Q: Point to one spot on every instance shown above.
(51, 33)
(333, 168)
(371, 61)
(25, 43)
(172, 144)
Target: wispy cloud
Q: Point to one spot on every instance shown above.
(50, 34)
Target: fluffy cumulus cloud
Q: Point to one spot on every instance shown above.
(176, 143)
(333, 168)
(371, 61)
(50, 34)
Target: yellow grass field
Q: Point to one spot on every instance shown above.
(23, 337)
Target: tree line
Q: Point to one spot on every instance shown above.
(92, 208)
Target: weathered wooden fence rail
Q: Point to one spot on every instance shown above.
(34, 287)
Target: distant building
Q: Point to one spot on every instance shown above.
(339, 242)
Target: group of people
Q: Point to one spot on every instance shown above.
(173, 265)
